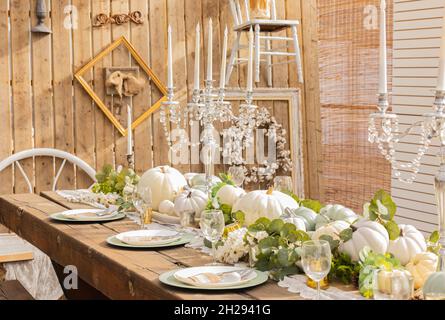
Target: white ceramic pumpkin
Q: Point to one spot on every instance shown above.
(167, 207)
(261, 203)
(408, 244)
(298, 222)
(335, 212)
(200, 180)
(421, 266)
(165, 184)
(191, 200)
(366, 234)
(229, 194)
(332, 229)
(307, 215)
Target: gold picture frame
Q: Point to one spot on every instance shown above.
(161, 87)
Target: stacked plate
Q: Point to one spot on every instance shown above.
(88, 215)
(149, 239)
(214, 278)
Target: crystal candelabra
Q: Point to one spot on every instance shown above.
(384, 130)
(208, 106)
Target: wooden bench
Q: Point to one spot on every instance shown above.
(13, 290)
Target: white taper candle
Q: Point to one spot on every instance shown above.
(197, 58)
(441, 78)
(383, 72)
(170, 59)
(210, 52)
(250, 63)
(130, 131)
(222, 82)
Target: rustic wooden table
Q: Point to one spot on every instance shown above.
(118, 274)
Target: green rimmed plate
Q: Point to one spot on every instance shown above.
(61, 217)
(169, 279)
(183, 240)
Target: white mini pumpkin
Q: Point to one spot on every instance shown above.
(408, 244)
(307, 215)
(335, 212)
(191, 200)
(200, 180)
(229, 194)
(165, 184)
(421, 266)
(367, 234)
(298, 222)
(261, 203)
(332, 229)
(167, 207)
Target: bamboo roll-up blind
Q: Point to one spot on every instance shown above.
(353, 169)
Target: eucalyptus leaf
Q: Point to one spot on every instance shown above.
(434, 237)
(275, 226)
(346, 234)
(332, 243)
(287, 229)
(382, 198)
(393, 230)
(314, 205)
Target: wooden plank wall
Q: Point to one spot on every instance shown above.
(41, 104)
(417, 39)
(353, 169)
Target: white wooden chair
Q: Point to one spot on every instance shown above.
(32, 153)
(266, 27)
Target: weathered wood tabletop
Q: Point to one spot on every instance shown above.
(117, 273)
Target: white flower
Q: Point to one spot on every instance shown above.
(234, 247)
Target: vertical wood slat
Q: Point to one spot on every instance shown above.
(281, 76)
(21, 87)
(5, 103)
(193, 16)
(104, 128)
(311, 111)
(121, 57)
(175, 15)
(63, 90)
(210, 9)
(158, 48)
(143, 135)
(84, 124)
(43, 107)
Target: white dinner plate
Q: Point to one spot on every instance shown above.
(184, 275)
(142, 237)
(86, 215)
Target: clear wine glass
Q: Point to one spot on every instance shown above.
(316, 259)
(237, 174)
(142, 201)
(283, 184)
(212, 226)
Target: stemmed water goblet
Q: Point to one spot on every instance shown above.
(142, 201)
(212, 226)
(316, 259)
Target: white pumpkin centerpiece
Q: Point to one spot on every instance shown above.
(421, 266)
(164, 182)
(408, 244)
(335, 212)
(200, 180)
(307, 215)
(264, 203)
(366, 233)
(332, 229)
(167, 207)
(229, 194)
(191, 200)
